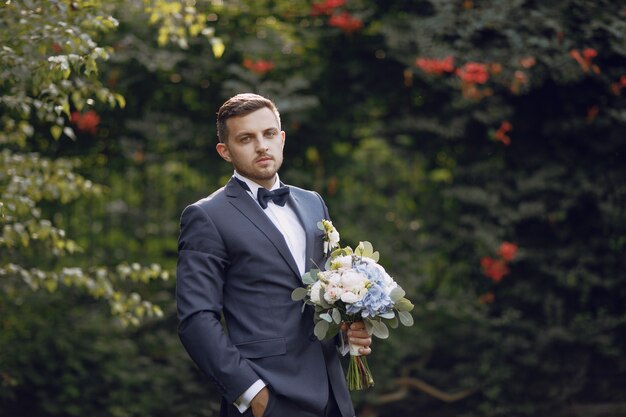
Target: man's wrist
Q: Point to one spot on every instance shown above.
(243, 402)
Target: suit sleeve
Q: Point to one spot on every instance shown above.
(200, 277)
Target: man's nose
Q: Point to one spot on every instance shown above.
(261, 144)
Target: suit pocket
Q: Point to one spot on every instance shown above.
(263, 348)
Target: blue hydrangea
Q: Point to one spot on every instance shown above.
(375, 301)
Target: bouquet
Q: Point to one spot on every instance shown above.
(352, 287)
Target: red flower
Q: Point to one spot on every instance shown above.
(261, 66)
(589, 53)
(346, 22)
(501, 133)
(473, 72)
(584, 60)
(487, 298)
(519, 79)
(622, 80)
(326, 7)
(56, 48)
(592, 112)
(86, 122)
(507, 251)
(528, 62)
(435, 66)
(494, 269)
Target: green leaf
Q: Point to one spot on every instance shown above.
(336, 316)
(299, 294)
(218, 47)
(326, 317)
(389, 315)
(56, 131)
(393, 323)
(380, 329)
(310, 277)
(320, 330)
(366, 249)
(405, 318)
(403, 305)
(121, 101)
(333, 329)
(396, 294)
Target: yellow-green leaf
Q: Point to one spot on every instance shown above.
(218, 47)
(56, 131)
(121, 101)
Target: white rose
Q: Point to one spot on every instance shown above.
(353, 281)
(349, 297)
(334, 278)
(332, 294)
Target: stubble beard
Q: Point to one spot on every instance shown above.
(265, 174)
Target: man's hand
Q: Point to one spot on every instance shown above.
(357, 334)
(259, 402)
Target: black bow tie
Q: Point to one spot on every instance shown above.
(278, 196)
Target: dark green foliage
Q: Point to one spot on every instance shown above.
(413, 161)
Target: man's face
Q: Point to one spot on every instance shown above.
(254, 146)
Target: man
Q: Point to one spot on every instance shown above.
(242, 251)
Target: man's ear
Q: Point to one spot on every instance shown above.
(282, 134)
(222, 149)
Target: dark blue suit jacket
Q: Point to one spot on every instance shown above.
(234, 261)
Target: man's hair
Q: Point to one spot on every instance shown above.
(241, 105)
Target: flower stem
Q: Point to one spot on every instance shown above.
(359, 376)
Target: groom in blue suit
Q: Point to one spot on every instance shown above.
(242, 251)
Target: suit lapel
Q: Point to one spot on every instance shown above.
(307, 220)
(241, 200)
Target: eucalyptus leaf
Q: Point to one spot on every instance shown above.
(332, 331)
(326, 317)
(397, 294)
(299, 294)
(388, 315)
(405, 318)
(403, 305)
(336, 316)
(310, 277)
(393, 323)
(320, 330)
(365, 248)
(380, 329)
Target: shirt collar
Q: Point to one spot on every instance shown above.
(254, 187)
